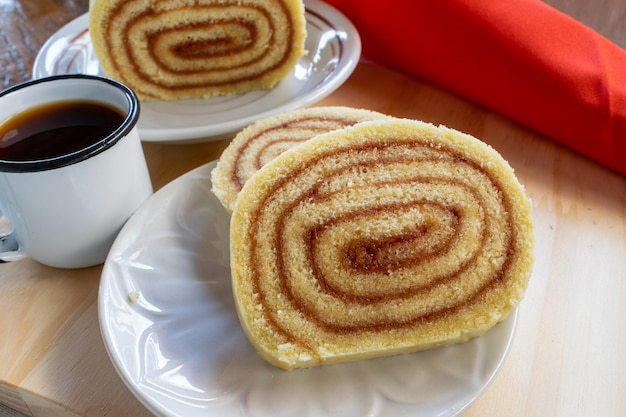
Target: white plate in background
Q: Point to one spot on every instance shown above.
(333, 46)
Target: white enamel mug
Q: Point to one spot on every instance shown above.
(66, 211)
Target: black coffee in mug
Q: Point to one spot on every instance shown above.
(55, 129)
(97, 181)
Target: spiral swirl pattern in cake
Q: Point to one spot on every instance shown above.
(267, 138)
(173, 49)
(387, 237)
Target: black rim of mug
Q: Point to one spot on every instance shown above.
(94, 149)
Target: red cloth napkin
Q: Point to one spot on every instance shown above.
(521, 58)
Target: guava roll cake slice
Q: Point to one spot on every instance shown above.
(387, 237)
(176, 49)
(267, 138)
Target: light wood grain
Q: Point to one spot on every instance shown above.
(568, 356)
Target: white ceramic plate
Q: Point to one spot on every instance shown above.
(333, 46)
(181, 350)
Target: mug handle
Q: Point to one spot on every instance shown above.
(9, 247)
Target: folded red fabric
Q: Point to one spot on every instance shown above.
(521, 58)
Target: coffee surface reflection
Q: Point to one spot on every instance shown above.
(56, 129)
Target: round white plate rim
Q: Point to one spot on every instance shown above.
(159, 409)
(347, 62)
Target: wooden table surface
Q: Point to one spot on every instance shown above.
(568, 356)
